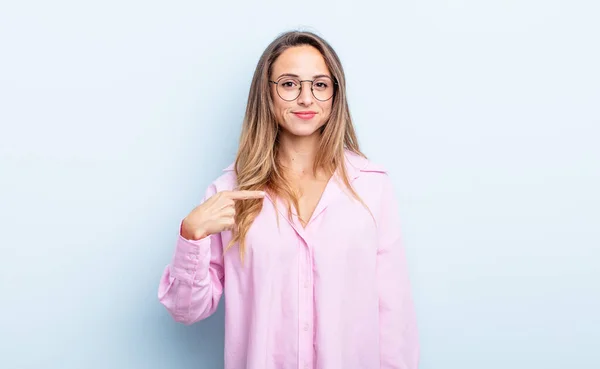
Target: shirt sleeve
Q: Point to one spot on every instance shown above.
(399, 346)
(192, 283)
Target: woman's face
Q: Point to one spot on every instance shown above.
(306, 114)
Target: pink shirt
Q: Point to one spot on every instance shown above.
(332, 295)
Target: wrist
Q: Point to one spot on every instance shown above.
(200, 234)
(190, 234)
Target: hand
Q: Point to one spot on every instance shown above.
(215, 215)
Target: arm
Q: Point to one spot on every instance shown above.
(397, 319)
(192, 284)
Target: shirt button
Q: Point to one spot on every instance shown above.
(305, 284)
(306, 327)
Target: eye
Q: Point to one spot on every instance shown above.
(321, 85)
(288, 84)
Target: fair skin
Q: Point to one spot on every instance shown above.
(298, 138)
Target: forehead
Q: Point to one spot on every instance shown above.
(305, 61)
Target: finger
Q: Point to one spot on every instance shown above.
(228, 212)
(228, 223)
(244, 195)
(226, 205)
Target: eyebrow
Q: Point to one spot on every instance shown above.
(297, 76)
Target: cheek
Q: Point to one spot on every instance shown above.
(326, 108)
(279, 108)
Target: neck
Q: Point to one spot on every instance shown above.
(297, 153)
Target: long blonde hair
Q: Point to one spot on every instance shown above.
(256, 165)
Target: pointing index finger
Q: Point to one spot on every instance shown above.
(244, 195)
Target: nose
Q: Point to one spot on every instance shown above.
(306, 96)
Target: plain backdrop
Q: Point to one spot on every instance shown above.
(116, 115)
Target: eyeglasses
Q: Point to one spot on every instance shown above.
(289, 88)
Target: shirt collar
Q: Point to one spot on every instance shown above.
(357, 164)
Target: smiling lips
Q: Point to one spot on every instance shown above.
(306, 115)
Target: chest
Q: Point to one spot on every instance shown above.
(341, 230)
(344, 232)
(311, 192)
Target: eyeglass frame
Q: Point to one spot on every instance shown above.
(276, 83)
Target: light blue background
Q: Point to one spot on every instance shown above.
(116, 115)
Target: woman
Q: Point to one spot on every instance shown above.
(301, 233)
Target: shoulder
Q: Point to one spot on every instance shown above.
(360, 166)
(370, 179)
(226, 181)
(356, 166)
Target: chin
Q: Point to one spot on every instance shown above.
(302, 129)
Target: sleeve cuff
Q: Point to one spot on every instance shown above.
(189, 254)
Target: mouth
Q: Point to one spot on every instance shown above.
(305, 114)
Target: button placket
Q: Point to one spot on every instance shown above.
(305, 316)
